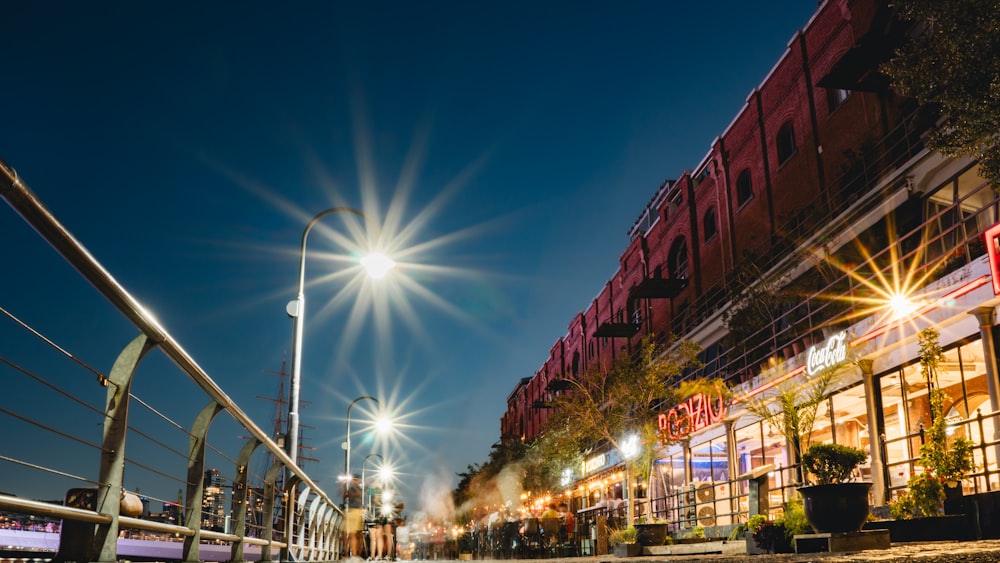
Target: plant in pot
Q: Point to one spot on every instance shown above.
(946, 459)
(835, 502)
(775, 536)
(651, 532)
(623, 542)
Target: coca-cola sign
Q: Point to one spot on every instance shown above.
(828, 354)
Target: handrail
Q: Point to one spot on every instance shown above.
(22, 200)
(27, 205)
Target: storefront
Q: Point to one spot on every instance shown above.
(881, 392)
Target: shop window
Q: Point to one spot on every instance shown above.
(677, 260)
(708, 224)
(744, 188)
(785, 142)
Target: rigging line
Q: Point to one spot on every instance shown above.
(161, 415)
(50, 470)
(157, 442)
(157, 471)
(53, 430)
(220, 453)
(100, 376)
(53, 387)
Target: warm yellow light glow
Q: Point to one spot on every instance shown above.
(377, 264)
(901, 306)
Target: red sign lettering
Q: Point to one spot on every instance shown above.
(691, 415)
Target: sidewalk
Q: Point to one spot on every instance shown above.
(929, 552)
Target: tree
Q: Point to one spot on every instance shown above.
(791, 408)
(603, 406)
(950, 65)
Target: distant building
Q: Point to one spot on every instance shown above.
(214, 508)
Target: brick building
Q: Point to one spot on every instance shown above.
(820, 185)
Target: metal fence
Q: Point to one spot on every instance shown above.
(66, 421)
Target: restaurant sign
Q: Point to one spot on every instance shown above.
(693, 414)
(594, 463)
(829, 354)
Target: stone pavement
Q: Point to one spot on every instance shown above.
(911, 552)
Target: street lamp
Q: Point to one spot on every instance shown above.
(630, 447)
(347, 442)
(376, 264)
(364, 490)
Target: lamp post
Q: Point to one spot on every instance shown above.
(364, 489)
(629, 448)
(375, 264)
(347, 442)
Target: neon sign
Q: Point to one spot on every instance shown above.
(693, 414)
(831, 353)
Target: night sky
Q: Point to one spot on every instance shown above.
(504, 148)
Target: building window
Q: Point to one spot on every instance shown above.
(786, 142)
(708, 224)
(744, 188)
(835, 97)
(703, 175)
(677, 261)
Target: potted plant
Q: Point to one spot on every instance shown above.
(835, 502)
(623, 542)
(946, 460)
(775, 536)
(651, 532)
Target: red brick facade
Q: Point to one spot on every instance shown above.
(784, 154)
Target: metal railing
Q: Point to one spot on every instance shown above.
(986, 450)
(279, 508)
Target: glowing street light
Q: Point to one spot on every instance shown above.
(380, 424)
(377, 265)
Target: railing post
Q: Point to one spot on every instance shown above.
(240, 495)
(196, 480)
(267, 518)
(113, 446)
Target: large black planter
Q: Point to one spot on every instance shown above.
(651, 534)
(841, 507)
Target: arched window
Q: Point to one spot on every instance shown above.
(744, 188)
(786, 142)
(708, 224)
(677, 260)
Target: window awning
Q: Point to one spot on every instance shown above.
(658, 288)
(616, 330)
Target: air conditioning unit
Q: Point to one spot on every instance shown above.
(704, 492)
(706, 515)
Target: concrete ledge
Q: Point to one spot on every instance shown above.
(846, 541)
(725, 547)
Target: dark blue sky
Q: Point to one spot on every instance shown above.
(186, 144)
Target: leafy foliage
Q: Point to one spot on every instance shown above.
(775, 536)
(924, 497)
(792, 408)
(623, 535)
(944, 459)
(832, 463)
(603, 406)
(950, 64)
(948, 459)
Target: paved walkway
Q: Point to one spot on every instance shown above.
(929, 552)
